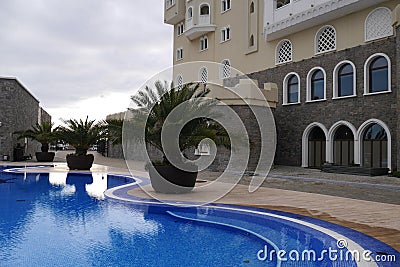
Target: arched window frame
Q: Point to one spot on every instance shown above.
(223, 69)
(251, 41)
(179, 54)
(318, 34)
(361, 132)
(286, 89)
(203, 70)
(189, 13)
(304, 146)
(330, 140)
(226, 5)
(180, 28)
(203, 43)
(367, 74)
(336, 80)
(202, 5)
(309, 76)
(225, 34)
(252, 7)
(368, 37)
(278, 51)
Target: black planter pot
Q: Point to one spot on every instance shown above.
(80, 162)
(45, 156)
(171, 180)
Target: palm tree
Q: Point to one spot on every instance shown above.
(113, 130)
(43, 133)
(154, 106)
(81, 134)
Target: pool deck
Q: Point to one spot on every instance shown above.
(341, 199)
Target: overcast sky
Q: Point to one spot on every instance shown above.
(83, 57)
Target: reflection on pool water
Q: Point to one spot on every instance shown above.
(63, 219)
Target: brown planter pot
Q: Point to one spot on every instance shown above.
(81, 162)
(171, 180)
(45, 156)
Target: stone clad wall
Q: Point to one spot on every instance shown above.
(398, 91)
(45, 117)
(18, 111)
(292, 120)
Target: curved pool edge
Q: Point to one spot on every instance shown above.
(121, 193)
(339, 233)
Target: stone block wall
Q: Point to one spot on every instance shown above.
(18, 111)
(292, 120)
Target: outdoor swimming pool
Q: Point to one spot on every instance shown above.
(61, 219)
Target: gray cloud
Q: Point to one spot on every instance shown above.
(66, 51)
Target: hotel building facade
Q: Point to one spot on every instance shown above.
(335, 64)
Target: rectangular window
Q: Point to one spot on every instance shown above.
(179, 54)
(346, 85)
(379, 81)
(225, 34)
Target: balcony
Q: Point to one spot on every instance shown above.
(303, 14)
(174, 11)
(203, 26)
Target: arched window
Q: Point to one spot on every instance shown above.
(204, 10)
(179, 82)
(377, 74)
(225, 5)
(375, 145)
(189, 14)
(180, 28)
(225, 34)
(325, 40)
(252, 7)
(291, 89)
(203, 43)
(203, 75)
(316, 85)
(251, 41)
(179, 54)
(378, 24)
(343, 146)
(316, 148)
(344, 80)
(284, 52)
(282, 3)
(225, 69)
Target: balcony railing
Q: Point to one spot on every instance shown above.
(198, 26)
(189, 23)
(204, 20)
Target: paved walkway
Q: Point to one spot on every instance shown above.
(367, 204)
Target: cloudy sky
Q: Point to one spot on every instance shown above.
(83, 57)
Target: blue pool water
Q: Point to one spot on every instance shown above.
(61, 219)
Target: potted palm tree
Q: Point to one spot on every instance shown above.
(81, 135)
(153, 108)
(45, 134)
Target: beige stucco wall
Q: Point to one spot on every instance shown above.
(349, 29)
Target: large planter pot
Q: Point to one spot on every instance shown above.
(45, 156)
(171, 180)
(80, 162)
